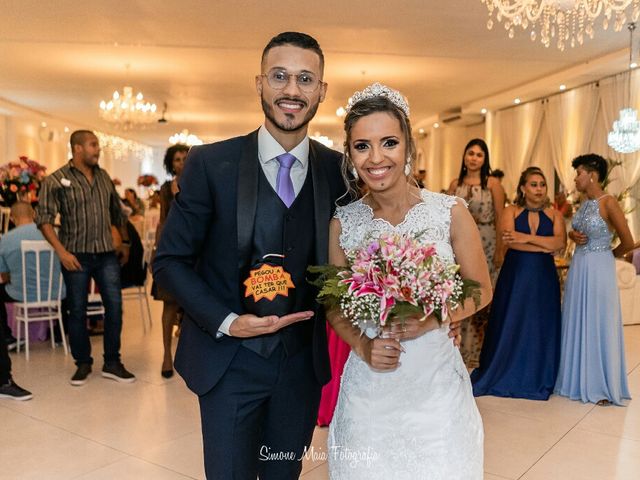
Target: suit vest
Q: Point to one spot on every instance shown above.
(290, 232)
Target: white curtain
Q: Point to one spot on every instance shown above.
(512, 143)
(617, 93)
(543, 159)
(570, 119)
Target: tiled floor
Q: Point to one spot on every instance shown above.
(150, 429)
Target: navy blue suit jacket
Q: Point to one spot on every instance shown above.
(206, 241)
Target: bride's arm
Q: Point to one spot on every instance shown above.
(467, 249)
(379, 353)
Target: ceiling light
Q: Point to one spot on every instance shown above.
(323, 139)
(436, 125)
(66, 129)
(483, 111)
(625, 135)
(563, 87)
(561, 21)
(127, 111)
(517, 101)
(43, 124)
(185, 138)
(341, 112)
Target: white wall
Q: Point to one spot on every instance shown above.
(46, 140)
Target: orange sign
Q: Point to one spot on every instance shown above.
(267, 282)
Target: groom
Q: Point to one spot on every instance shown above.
(258, 378)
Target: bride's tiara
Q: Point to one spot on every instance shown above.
(379, 90)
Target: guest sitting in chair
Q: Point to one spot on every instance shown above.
(22, 215)
(9, 388)
(132, 201)
(133, 272)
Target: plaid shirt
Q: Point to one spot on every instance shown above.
(86, 210)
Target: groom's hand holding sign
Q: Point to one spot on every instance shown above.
(249, 325)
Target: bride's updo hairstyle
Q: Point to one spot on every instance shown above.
(373, 99)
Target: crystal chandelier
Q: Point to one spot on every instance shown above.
(185, 138)
(625, 136)
(127, 111)
(566, 21)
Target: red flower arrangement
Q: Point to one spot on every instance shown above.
(147, 180)
(21, 180)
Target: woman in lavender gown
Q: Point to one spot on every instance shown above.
(592, 364)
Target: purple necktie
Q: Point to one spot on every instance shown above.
(284, 185)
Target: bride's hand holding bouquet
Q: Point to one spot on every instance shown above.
(393, 289)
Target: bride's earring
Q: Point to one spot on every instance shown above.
(407, 167)
(354, 172)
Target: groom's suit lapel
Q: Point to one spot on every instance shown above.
(321, 204)
(247, 198)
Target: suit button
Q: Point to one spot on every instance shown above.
(289, 249)
(288, 218)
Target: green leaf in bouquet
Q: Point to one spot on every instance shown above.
(327, 280)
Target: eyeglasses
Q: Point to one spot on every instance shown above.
(279, 79)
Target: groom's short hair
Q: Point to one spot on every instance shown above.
(296, 39)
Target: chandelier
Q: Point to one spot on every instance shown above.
(185, 138)
(127, 111)
(566, 21)
(625, 136)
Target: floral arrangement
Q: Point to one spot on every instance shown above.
(147, 180)
(21, 180)
(393, 276)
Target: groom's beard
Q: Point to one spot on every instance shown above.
(288, 125)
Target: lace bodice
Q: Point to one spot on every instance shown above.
(589, 221)
(431, 219)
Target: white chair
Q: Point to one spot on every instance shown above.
(46, 305)
(629, 286)
(139, 292)
(151, 220)
(5, 214)
(94, 300)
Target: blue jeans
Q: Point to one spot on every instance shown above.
(105, 270)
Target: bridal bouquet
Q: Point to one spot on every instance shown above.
(397, 276)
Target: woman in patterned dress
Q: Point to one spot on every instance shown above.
(485, 197)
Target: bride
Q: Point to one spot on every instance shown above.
(406, 408)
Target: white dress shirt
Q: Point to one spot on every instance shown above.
(268, 150)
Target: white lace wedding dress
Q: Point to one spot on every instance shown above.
(421, 420)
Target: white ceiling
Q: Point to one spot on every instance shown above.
(61, 58)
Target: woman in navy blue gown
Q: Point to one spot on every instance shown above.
(521, 350)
